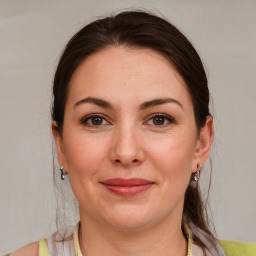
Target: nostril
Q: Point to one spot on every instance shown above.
(133, 161)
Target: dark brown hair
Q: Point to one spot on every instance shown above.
(145, 30)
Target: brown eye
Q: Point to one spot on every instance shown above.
(159, 120)
(94, 120)
(97, 120)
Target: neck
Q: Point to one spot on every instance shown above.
(162, 239)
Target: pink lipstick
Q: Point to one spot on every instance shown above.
(127, 187)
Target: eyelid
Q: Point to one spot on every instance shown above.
(169, 118)
(166, 116)
(87, 117)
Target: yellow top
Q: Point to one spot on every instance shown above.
(43, 248)
(234, 248)
(231, 248)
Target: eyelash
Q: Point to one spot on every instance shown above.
(86, 119)
(167, 118)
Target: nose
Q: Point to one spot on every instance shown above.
(127, 149)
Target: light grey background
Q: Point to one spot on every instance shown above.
(32, 35)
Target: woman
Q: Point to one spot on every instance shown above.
(132, 130)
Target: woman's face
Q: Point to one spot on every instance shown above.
(129, 115)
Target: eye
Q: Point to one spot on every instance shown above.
(94, 120)
(160, 120)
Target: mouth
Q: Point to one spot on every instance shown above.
(127, 187)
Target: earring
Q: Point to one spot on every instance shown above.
(196, 176)
(62, 173)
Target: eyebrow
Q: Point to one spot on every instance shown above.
(105, 104)
(99, 102)
(156, 102)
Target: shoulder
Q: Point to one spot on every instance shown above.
(234, 248)
(28, 250)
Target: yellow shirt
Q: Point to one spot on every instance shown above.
(234, 248)
(231, 248)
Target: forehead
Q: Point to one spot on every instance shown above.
(120, 72)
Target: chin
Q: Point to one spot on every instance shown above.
(128, 220)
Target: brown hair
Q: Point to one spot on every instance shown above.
(146, 30)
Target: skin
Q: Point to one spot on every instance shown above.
(130, 142)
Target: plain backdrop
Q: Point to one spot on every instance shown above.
(32, 36)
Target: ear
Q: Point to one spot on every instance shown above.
(203, 144)
(59, 144)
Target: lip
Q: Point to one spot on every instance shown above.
(127, 187)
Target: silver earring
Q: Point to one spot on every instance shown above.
(62, 173)
(196, 176)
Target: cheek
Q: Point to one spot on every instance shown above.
(173, 157)
(84, 154)
(85, 158)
